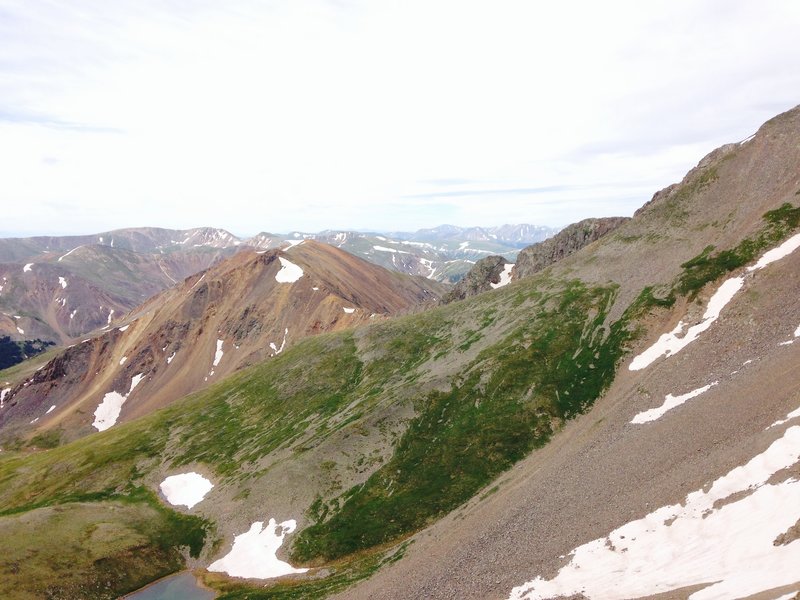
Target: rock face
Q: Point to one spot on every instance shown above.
(486, 273)
(569, 240)
(479, 279)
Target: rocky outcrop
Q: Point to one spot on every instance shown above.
(479, 279)
(539, 256)
(487, 272)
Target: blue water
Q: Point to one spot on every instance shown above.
(182, 586)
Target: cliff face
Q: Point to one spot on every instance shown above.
(479, 279)
(491, 272)
(539, 256)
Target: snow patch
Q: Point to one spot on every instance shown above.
(420, 245)
(293, 243)
(169, 358)
(203, 276)
(27, 267)
(289, 272)
(670, 402)
(218, 354)
(123, 328)
(60, 258)
(109, 316)
(62, 282)
(792, 415)
(785, 249)
(51, 409)
(108, 410)
(349, 311)
(505, 276)
(729, 548)
(275, 349)
(254, 553)
(3, 394)
(122, 360)
(186, 489)
(385, 249)
(21, 331)
(72, 314)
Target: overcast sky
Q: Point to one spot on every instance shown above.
(279, 115)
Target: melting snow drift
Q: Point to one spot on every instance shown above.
(187, 489)
(289, 272)
(669, 343)
(505, 276)
(275, 349)
(724, 537)
(107, 412)
(670, 402)
(254, 553)
(218, 354)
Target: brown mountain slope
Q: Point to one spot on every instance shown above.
(603, 471)
(246, 309)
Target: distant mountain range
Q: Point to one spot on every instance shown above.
(60, 288)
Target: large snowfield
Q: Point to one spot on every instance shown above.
(254, 553)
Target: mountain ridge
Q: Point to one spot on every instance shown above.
(245, 309)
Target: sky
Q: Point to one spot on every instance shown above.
(281, 115)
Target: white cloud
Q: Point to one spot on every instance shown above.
(312, 114)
